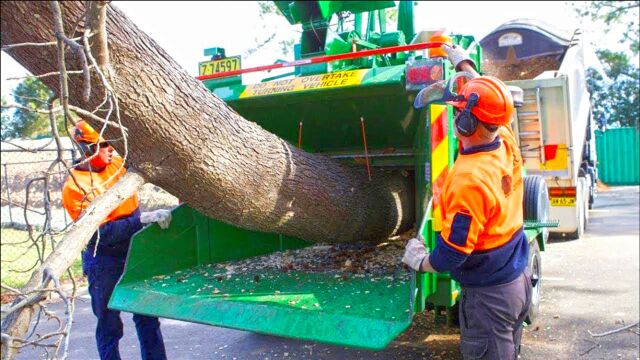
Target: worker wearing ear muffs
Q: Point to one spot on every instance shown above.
(482, 242)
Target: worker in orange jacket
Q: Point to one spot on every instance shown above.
(104, 257)
(482, 242)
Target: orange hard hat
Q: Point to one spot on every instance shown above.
(439, 52)
(83, 132)
(495, 103)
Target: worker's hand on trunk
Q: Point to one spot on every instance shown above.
(161, 216)
(414, 253)
(458, 56)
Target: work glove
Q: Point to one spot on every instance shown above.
(457, 55)
(414, 253)
(161, 216)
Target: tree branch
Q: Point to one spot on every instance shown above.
(14, 46)
(96, 21)
(16, 324)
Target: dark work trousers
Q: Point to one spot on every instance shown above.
(103, 272)
(491, 319)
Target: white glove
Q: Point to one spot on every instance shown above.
(414, 253)
(161, 216)
(457, 55)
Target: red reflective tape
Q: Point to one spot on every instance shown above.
(562, 192)
(438, 185)
(324, 59)
(439, 130)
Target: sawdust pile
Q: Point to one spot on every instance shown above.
(352, 258)
(507, 70)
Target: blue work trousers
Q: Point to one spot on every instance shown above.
(103, 272)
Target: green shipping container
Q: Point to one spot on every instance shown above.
(619, 156)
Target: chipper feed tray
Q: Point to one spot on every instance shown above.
(204, 271)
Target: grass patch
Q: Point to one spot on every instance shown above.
(18, 257)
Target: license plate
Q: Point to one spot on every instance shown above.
(218, 66)
(563, 201)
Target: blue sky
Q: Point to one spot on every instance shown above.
(185, 29)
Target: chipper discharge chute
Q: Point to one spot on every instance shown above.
(347, 88)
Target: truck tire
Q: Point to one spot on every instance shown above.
(585, 199)
(593, 186)
(535, 270)
(580, 211)
(536, 202)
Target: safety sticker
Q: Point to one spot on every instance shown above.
(303, 83)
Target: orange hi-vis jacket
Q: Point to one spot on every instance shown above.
(118, 227)
(76, 199)
(482, 241)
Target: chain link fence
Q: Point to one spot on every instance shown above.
(22, 170)
(23, 187)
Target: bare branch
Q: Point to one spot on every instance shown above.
(13, 46)
(613, 331)
(9, 288)
(92, 116)
(15, 318)
(97, 23)
(69, 247)
(71, 72)
(59, 31)
(80, 111)
(25, 108)
(22, 147)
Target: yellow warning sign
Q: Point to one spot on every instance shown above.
(303, 83)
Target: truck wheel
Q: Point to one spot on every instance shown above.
(535, 269)
(536, 202)
(580, 210)
(592, 187)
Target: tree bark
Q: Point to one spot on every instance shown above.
(189, 142)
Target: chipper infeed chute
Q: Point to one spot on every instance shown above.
(204, 271)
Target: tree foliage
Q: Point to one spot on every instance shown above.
(5, 120)
(32, 94)
(613, 12)
(615, 103)
(267, 9)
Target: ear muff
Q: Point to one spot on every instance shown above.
(465, 122)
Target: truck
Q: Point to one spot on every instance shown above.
(349, 96)
(555, 126)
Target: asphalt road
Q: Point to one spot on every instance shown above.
(589, 284)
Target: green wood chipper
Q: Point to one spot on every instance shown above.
(349, 96)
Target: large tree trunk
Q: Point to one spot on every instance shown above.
(189, 142)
